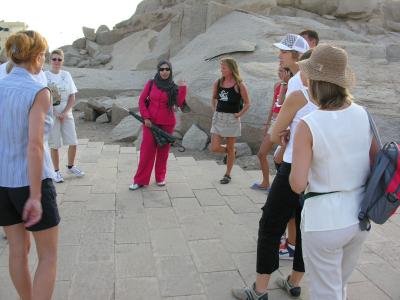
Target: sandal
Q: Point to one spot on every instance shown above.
(226, 179)
(257, 186)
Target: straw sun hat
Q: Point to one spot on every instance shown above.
(328, 63)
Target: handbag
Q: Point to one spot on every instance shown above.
(147, 100)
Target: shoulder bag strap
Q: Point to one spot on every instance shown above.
(374, 130)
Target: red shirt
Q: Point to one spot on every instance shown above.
(276, 108)
(158, 111)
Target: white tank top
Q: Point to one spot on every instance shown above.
(340, 164)
(302, 112)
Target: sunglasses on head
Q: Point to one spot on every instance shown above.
(164, 69)
(56, 59)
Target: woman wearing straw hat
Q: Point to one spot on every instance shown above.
(331, 161)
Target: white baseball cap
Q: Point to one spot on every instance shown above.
(293, 42)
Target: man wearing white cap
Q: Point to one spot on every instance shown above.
(281, 204)
(291, 47)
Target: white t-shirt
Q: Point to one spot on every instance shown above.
(294, 84)
(3, 71)
(41, 77)
(61, 86)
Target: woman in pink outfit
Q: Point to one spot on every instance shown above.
(156, 105)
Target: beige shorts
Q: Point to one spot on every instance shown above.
(226, 125)
(273, 121)
(65, 131)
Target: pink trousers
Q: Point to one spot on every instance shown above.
(150, 152)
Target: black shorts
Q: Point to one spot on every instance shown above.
(12, 202)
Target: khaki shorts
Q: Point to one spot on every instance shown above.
(65, 131)
(226, 125)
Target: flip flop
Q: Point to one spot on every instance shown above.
(257, 186)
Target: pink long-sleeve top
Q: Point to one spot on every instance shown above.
(158, 111)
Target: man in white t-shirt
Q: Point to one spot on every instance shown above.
(63, 92)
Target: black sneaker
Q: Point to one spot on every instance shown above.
(293, 291)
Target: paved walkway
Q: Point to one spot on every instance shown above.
(191, 240)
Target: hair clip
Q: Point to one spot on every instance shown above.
(14, 49)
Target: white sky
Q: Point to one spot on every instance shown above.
(61, 22)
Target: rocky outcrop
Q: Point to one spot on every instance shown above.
(194, 34)
(353, 9)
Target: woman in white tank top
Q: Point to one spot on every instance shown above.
(331, 161)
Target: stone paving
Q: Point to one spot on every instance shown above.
(193, 239)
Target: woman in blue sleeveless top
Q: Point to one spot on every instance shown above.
(27, 194)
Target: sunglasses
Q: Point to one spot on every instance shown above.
(56, 59)
(164, 69)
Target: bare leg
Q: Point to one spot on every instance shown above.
(19, 242)
(230, 151)
(295, 278)
(71, 154)
(262, 281)
(215, 145)
(291, 226)
(265, 147)
(45, 275)
(55, 157)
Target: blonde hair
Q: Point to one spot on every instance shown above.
(233, 67)
(57, 52)
(329, 95)
(25, 46)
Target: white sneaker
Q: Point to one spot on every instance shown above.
(58, 177)
(161, 183)
(75, 171)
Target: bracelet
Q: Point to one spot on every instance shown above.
(283, 83)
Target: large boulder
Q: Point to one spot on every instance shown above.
(89, 33)
(393, 53)
(109, 37)
(195, 139)
(72, 57)
(356, 9)
(127, 130)
(102, 28)
(159, 50)
(121, 106)
(242, 149)
(130, 51)
(391, 15)
(216, 11)
(261, 7)
(188, 24)
(79, 43)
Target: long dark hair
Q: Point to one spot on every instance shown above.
(168, 85)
